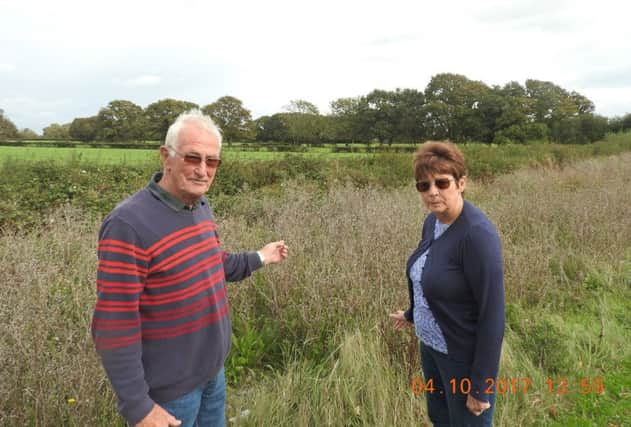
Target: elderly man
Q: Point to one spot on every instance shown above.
(161, 323)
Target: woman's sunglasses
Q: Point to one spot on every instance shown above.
(441, 184)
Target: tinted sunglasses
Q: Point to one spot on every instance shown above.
(441, 184)
(194, 159)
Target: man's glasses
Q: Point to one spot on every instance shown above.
(194, 159)
(441, 184)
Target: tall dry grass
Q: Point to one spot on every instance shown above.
(48, 369)
(362, 386)
(322, 316)
(359, 387)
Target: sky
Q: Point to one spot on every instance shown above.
(65, 59)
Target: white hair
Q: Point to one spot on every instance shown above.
(195, 116)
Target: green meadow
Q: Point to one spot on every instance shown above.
(312, 342)
(143, 155)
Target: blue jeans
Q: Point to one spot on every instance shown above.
(445, 408)
(202, 407)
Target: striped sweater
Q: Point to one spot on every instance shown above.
(161, 323)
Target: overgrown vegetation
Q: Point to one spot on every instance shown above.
(312, 341)
(33, 189)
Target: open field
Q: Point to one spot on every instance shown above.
(33, 187)
(65, 154)
(613, 144)
(135, 156)
(312, 342)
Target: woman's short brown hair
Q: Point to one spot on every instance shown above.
(438, 157)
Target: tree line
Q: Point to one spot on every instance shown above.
(451, 107)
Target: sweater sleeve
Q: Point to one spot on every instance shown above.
(238, 266)
(121, 274)
(484, 273)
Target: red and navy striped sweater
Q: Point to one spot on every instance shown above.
(161, 324)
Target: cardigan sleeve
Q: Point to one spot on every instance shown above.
(483, 270)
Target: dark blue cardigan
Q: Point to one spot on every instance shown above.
(463, 282)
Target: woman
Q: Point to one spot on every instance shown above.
(455, 281)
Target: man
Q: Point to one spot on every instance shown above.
(161, 323)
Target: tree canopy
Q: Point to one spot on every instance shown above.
(57, 131)
(7, 128)
(159, 116)
(234, 120)
(120, 121)
(451, 106)
(301, 106)
(84, 128)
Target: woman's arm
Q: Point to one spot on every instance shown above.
(483, 270)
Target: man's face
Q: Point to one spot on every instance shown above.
(182, 178)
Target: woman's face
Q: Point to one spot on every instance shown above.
(442, 195)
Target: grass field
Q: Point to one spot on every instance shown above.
(135, 156)
(477, 153)
(65, 154)
(312, 341)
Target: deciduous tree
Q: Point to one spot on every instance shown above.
(303, 128)
(121, 120)
(351, 119)
(271, 128)
(57, 131)
(411, 106)
(161, 114)
(453, 106)
(234, 120)
(383, 113)
(301, 106)
(83, 128)
(7, 128)
(593, 127)
(27, 133)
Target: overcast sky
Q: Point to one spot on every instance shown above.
(65, 59)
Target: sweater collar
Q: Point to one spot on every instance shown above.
(168, 199)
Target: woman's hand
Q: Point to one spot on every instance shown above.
(399, 319)
(475, 406)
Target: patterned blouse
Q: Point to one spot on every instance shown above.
(427, 328)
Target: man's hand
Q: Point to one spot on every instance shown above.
(475, 406)
(158, 417)
(399, 320)
(274, 252)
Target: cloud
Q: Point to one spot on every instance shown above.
(542, 15)
(34, 112)
(394, 40)
(610, 102)
(34, 103)
(142, 81)
(268, 53)
(610, 78)
(7, 67)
